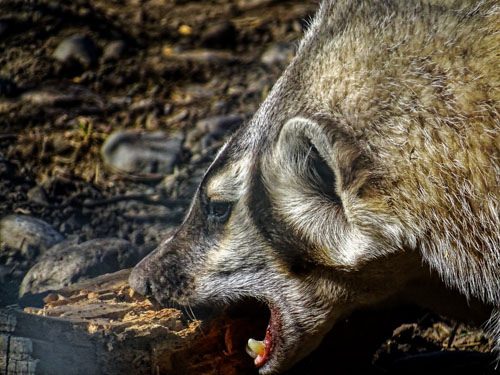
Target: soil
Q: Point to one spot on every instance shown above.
(179, 62)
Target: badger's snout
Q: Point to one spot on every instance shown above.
(139, 281)
(164, 274)
(149, 280)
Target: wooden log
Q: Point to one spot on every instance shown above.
(102, 327)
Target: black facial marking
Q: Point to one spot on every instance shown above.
(289, 247)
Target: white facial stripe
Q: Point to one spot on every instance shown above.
(229, 183)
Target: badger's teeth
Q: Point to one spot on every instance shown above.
(255, 348)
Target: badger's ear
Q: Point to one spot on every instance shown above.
(304, 148)
(301, 174)
(312, 174)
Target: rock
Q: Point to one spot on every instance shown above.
(221, 106)
(204, 56)
(194, 92)
(278, 54)
(210, 130)
(72, 223)
(120, 101)
(143, 105)
(142, 153)
(167, 109)
(70, 262)
(252, 4)
(221, 35)
(114, 51)
(79, 48)
(152, 121)
(177, 117)
(217, 128)
(28, 234)
(259, 87)
(220, 123)
(48, 97)
(38, 195)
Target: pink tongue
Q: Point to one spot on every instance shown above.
(260, 359)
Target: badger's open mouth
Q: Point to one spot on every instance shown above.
(261, 351)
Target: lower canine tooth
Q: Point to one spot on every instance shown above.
(250, 352)
(256, 348)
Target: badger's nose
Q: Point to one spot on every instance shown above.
(139, 282)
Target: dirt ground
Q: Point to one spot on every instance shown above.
(178, 62)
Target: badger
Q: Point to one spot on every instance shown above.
(377, 151)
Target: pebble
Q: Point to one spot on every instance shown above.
(167, 109)
(143, 105)
(198, 91)
(210, 130)
(38, 195)
(217, 128)
(251, 4)
(142, 153)
(221, 106)
(152, 121)
(278, 54)
(259, 86)
(28, 234)
(114, 51)
(70, 262)
(120, 101)
(220, 123)
(177, 117)
(205, 56)
(49, 98)
(79, 48)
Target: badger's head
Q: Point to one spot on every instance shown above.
(283, 220)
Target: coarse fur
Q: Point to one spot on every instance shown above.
(377, 149)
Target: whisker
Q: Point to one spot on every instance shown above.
(200, 328)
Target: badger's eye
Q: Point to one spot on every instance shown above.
(219, 211)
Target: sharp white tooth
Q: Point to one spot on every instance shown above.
(255, 347)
